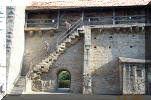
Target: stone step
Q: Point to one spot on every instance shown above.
(21, 82)
(45, 60)
(11, 7)
(68, 40)
(43, 63)
(10, 16)
(8, 41)
(50, 58)
(37, 68)
(76, 33)
(44, 70)
(80, 29)
(72, 36)
(9, 36)
(58, 51)
(53, 55)
(61, 50)
(36, 75)
(8, 45)
(19, 86)
(55, 58)
(47, 66)
(62, 46)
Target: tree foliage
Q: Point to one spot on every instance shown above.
(64, 75)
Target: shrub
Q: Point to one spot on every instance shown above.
(64, 76)
(64, 83)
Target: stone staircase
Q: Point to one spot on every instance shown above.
(61, 46)
(45, 64)
(34, 73)
(19, 87)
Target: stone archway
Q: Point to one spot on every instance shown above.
(63, 81)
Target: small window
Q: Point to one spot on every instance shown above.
(131, 71)
(139, 71)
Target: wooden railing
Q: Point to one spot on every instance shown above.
(41, 23)
(105, 20)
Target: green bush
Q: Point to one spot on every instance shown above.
(64, 75)
(64, 83)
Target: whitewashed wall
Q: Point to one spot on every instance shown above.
(17, 48)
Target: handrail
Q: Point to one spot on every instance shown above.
(55, 40)
(116, 19)
(70, 28)
(37, 22)
(53, 21)
(118, 16)
(75, 27)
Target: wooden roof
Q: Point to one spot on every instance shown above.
(63, 4)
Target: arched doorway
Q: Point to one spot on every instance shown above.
(64, 80)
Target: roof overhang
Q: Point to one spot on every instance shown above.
(66, 4)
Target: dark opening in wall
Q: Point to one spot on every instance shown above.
(95, 47)
(131, 46)
(64, 80)
(94, 37)
(110, 37)
(109, 46)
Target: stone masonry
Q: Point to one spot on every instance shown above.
(91, 54)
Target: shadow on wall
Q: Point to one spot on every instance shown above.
(71, 60)
(105, 79)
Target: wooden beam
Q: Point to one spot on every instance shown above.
(31, 33)
(131, 29)
(137, 29)
(38, 29)
(58, 19)
(32, 29)
(40, 33)
(142, 28)
(113, 16)
(118, 29)
(124, 30)
(119, 25)
(82, 15)
(26, 17)
(101, 30)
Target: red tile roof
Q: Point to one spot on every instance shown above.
(59, 4)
